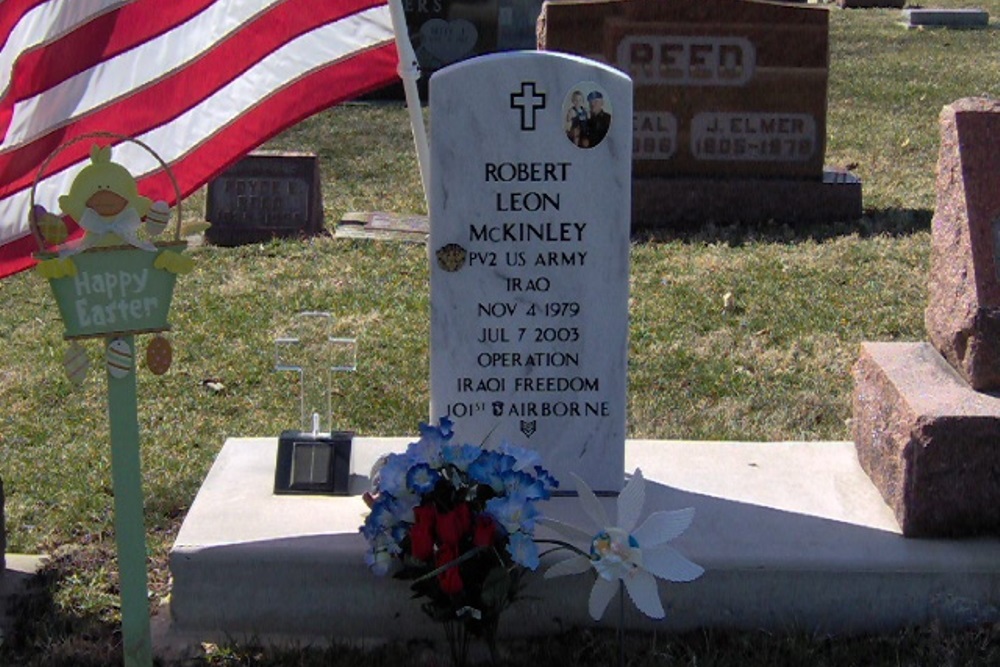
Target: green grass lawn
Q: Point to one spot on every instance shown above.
(772, 365)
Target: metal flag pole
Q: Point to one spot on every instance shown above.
(409, 72)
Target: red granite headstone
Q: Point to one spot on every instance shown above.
(963, 312)
(926, 434)
(722, 87)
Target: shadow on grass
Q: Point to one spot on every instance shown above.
(892, 222)
(50, 633)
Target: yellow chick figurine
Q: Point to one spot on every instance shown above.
(106, 203)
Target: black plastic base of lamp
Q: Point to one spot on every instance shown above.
(311, 464)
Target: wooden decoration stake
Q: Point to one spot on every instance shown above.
(116, 281)
(130, 531)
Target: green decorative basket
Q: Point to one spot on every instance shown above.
(116, 290)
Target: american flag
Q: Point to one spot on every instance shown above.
(200, 81)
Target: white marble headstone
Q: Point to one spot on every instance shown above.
(529, 242)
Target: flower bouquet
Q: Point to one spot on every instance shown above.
(458, 521)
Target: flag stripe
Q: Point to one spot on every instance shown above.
(160, 101)
(28, 25)
(201, 164)
(226, 96)
(105, 36)
(194, 166)
(117, 76)
(13, 12)
(328, 43)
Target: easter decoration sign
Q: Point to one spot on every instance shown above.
(113, 283)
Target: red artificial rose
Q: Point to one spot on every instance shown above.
(450, 580)
(454, 525)
(422, 533)
(485, 531)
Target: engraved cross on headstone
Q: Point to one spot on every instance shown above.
(529, 102)
(311, 351)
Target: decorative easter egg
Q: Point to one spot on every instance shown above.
(119, 358)
(159, 355)
(77, 363)
(52, 227)
(157, 218)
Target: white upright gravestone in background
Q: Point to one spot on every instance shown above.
(530, 200)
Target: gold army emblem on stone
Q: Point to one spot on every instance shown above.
(451, 257)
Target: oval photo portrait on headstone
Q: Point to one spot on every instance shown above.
(587, 114)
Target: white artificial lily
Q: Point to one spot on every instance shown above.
(624, 553)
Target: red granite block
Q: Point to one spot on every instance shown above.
(928, 441)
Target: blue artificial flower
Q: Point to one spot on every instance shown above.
(514, 513)
(521, 483)
(549, 483)
(392, 476)
(489, 468)
(401, 507)
(370, 529)
(523, 550)
(398, 533)
(421, 478)
(383, 548)
(484, 471)
(461, 456)
(432, 440)
(381, 517)
(445, 427)
(402, 482)
(523, 458)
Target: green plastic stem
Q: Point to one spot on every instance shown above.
(130, 531)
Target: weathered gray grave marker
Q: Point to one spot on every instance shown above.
(870, 4)
(946, 18)
(530, 199)
(444, 32)
(267, 194)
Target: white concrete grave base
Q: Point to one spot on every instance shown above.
(793, 536)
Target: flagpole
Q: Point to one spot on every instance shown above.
(409, 72)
